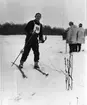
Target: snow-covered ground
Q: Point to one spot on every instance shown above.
(38, 89)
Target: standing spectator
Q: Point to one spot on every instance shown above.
(71, 37)
(80, 37)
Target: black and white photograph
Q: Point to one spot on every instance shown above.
(43, 52)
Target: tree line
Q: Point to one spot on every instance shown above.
(18, 29)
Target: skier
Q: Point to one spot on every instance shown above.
(80, 37)
(34, 35)
(71, 37)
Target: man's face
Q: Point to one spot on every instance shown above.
(38, 17)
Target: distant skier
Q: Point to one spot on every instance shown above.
(80, 37)
(71, 37)
(34, 32)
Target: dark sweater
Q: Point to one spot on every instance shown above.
(29, 29)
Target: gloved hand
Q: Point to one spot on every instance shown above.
(43, 40)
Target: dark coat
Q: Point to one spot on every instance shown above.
(30, 28)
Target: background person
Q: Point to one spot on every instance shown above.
(71, 37)
(80, 37)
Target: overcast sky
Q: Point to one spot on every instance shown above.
(54, 12)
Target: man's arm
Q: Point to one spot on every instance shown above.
(29, 27)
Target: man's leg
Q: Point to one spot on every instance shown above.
(25, 55)
(79, 47)
(71, 48)
(35, 48)
(75, 47)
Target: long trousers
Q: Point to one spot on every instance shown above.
(73, 48)
(78, 47)
(35, 47)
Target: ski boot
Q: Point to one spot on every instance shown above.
(36, 66)
(21, 64)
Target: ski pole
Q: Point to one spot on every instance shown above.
(66, 48)
(22, 50)
(16, 59)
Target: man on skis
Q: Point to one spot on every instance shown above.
(33, 32)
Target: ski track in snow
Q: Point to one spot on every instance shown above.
(38, 89)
